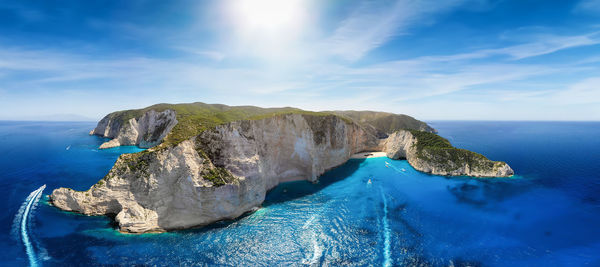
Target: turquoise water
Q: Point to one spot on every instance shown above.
(547, 215)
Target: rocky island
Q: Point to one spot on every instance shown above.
(209, 162)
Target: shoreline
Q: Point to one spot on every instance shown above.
(366, 155)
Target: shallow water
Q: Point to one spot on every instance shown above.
(546, 215)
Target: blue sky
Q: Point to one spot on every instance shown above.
(432, 59)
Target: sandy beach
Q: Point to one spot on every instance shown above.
(365, 155)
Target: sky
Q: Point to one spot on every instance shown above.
(431, 59)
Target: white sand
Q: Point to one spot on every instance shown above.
(365, 155)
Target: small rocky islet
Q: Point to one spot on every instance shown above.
(209, 162)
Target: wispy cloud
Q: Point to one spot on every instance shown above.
(320, 72)
(548, 44)
(210, 54)
(371, 25)
(540, 45)
(586, 91)
(389, 84)
(588, 6)
(374, 23)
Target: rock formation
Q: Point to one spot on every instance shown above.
(441, 159)
(145, 132)
(180, 187)
(226, 170)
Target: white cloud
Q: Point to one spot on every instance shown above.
(372, 24)
(405, 86)
(586, 91)
(312, 85)
(549, 44)
(540, 45)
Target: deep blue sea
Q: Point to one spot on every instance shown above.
(546, 215)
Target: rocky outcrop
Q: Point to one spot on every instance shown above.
(442, 159)
(218, 175)
(226, 171)
(146, 131)
(162, 190)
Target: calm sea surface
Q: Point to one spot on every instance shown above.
(547, 215)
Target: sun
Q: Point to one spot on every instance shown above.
(275, 32)
(268, 17)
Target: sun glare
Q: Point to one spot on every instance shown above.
(269, 17)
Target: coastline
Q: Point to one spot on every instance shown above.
(366, 155)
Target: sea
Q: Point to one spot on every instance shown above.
(367, 212)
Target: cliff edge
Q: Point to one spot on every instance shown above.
(201, 169)
(219, 174)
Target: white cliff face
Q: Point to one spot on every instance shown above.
(176, 187)
(285, 148)
(167, 188)
(161, 191)
(399, 145)
(145, 132)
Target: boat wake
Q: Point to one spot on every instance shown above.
(22, 223)
(389, 165)
(317, 248)
(387, 261)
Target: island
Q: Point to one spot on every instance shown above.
(210, 162)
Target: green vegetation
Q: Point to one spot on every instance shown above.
(301, 112)
(430, 140)
(384, 122)
(218, 176)
(202, 154)
(138, 162)
(194, 118)
(438, 150)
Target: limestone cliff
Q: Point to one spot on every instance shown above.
(213, 162)
(219, 174)
(430, 153)
(146, 131)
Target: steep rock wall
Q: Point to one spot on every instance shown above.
(293, 147)
(168, 188)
